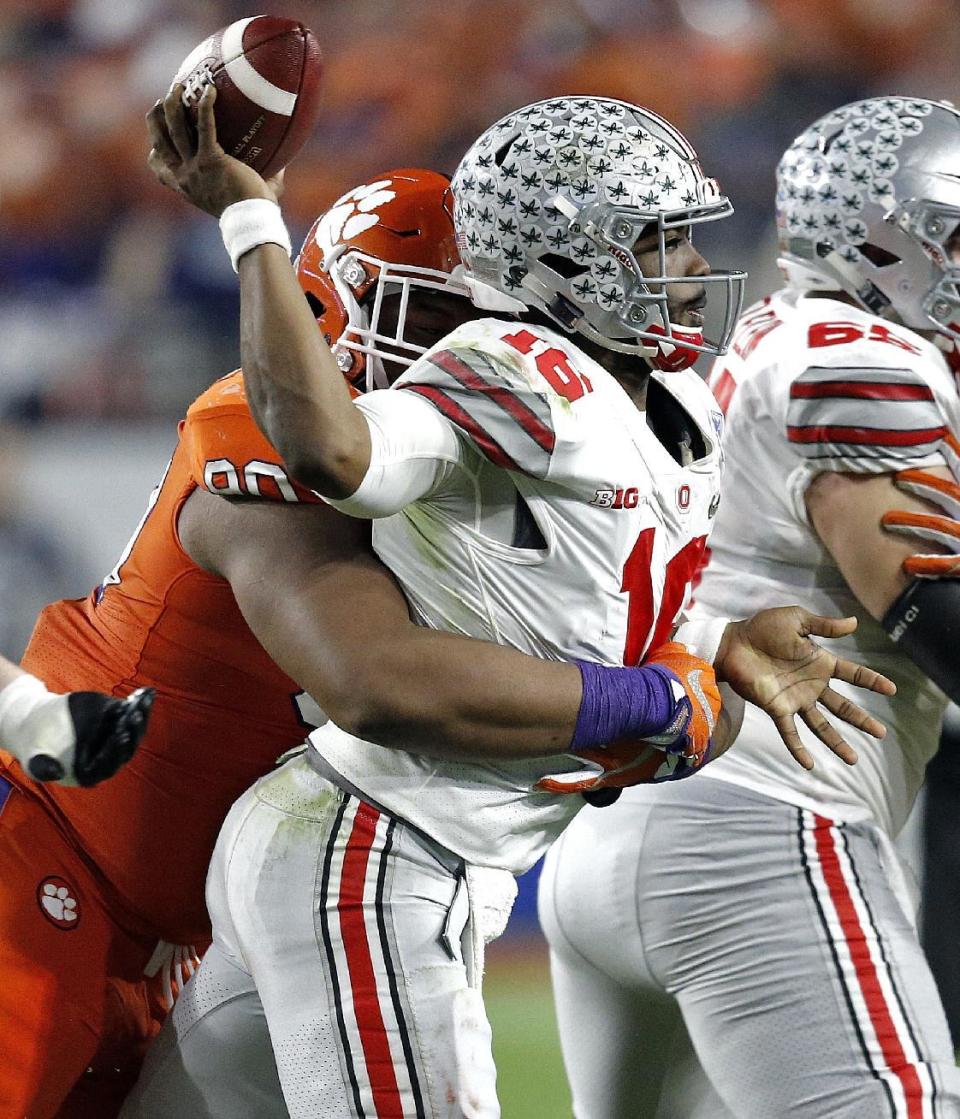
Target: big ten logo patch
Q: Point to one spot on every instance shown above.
(58, 902)
(617, 498)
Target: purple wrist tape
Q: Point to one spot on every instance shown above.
(622, 703)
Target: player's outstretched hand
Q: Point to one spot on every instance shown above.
(190, 160)
(770, 661)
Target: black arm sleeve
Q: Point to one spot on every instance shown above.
(925, 624)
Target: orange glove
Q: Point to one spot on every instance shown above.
(681, 749)
(942, 528)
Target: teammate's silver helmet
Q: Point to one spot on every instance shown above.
(549, 202)
(867, 200)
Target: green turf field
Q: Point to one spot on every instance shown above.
(530, 1078)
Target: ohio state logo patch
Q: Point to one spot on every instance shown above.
(58, 902)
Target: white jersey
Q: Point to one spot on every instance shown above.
(556, 521)
(812, 385)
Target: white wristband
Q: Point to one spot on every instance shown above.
(35, 721)
(18, 700)
(702, 637)
(252, 222)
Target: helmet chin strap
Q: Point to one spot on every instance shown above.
(488, 298)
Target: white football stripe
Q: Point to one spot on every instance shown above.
(251, 84)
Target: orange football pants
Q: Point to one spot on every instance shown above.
(75, 1010)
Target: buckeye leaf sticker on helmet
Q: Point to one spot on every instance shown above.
(868, 203)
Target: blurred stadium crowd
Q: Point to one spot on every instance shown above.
(118, 301)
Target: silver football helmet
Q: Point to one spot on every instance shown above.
(868, 201)
(549, 203)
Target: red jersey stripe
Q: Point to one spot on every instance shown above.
(860, 390)
(452, 410)
(363, 981)
(723, 388)
(869, 436)
(448, 361)
(865, 969)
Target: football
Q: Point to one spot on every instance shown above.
(267, 71)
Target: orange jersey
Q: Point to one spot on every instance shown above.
(224, 711)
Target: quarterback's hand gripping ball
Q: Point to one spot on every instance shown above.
(267, 73)
(679, 750)
(241, 106)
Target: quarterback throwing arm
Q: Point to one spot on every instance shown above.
(301, 402)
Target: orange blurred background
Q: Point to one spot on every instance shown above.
(118, 301)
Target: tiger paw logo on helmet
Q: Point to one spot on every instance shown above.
(388, 236)
(353, 214)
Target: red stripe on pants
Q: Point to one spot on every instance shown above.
(363, 981)
(865, 969)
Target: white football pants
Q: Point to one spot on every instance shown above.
(348, 940)
(705, 925)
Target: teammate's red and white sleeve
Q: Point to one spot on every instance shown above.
(860, 419)
(76, 739)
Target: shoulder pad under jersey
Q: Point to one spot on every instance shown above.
(507, 387)
(870, 404)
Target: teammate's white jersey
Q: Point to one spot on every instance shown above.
(811, 385)
(553, 519)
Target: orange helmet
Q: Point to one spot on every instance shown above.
(395, 230)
